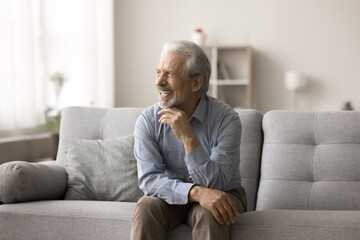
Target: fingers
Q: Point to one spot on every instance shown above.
(233, 207)
(172, 117)
(163, 113)
(172, 111)
(223, 216)
(167, 115)
(220, 204)
(217, 216)
(164, 119)
(226, 212)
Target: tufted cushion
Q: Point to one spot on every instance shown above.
(95, 123)
(310, 161)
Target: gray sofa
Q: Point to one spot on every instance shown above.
(301, 172)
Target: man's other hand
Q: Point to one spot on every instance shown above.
(217, 202)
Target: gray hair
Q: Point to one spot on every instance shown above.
(197, 63)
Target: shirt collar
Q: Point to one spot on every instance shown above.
(200, 110)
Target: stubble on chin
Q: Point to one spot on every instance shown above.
(167, 104)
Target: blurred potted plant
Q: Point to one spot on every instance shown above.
(52, 123)
(53, 115)
(58, 79)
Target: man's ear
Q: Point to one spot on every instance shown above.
(197, 83)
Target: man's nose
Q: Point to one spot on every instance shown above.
(160, 79)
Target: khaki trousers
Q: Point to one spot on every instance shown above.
(153, 217)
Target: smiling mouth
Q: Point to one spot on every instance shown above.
(164, 94)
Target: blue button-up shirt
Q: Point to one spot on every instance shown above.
(167, 172)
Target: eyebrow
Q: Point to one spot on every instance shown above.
(166, 70)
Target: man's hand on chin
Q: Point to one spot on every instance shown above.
(217, 202)
(179, 123)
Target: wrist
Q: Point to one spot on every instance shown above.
(190, 143)
(195, 193)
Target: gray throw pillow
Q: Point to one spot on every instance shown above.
(102, 170)
(22, 181)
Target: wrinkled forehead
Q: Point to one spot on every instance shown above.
(172, 60)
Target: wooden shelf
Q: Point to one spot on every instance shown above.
(231, 77)
(230, 82)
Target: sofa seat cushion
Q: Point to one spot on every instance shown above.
(76, 220)
(112, 220)
(66, 220)
(297, 224)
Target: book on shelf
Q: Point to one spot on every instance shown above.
(219, 73)
(223, 71)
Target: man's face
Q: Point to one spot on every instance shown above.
(172, 81)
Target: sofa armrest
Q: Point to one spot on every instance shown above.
(24, 181)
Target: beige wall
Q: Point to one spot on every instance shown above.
(319, 38)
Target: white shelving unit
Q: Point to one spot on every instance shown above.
(231, 78)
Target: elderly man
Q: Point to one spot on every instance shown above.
(187, 151)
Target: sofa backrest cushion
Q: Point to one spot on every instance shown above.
(95, 123)
(310, 160)
(250, 153)
(110, 123)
